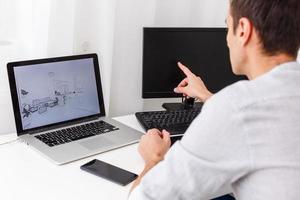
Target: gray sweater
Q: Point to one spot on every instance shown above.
(246, 141)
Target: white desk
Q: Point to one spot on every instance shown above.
(25, 174)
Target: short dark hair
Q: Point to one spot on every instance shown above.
(276, 21)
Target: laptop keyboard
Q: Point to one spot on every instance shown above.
(63, 136)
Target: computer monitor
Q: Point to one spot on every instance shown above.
(203, 50)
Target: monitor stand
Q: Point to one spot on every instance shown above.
(188, 103)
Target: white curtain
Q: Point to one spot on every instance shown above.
(31, 29)
(112, 28)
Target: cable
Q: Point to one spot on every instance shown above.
(9, 142)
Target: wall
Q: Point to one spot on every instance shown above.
(94, 33)
(127, 57)
(60, 28)
(131, 16)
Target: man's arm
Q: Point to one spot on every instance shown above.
(153, 147)
(155, 144)
(147, 167)
(212, 155)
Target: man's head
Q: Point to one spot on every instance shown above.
(265, 27)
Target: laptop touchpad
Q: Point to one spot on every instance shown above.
(96, 143)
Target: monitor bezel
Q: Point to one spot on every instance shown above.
(153, 95)
(15, 100)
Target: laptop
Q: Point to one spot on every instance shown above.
(59, 108)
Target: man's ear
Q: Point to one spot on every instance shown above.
(244, 30)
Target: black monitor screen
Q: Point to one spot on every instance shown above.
(203, 50)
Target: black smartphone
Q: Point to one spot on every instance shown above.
(109, 172)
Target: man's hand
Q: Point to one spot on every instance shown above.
(154, 145)
(192, 85)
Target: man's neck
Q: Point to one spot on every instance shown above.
(263, 64)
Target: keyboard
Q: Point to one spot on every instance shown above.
(175, 122)
(63, 136)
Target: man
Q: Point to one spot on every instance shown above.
(247, 138)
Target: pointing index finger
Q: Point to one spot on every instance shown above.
(185, 70)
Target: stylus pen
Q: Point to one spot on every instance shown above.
(178, 135)
(175, 135)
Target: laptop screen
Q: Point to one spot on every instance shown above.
(54, 92)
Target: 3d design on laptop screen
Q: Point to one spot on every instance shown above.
(55, 92)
